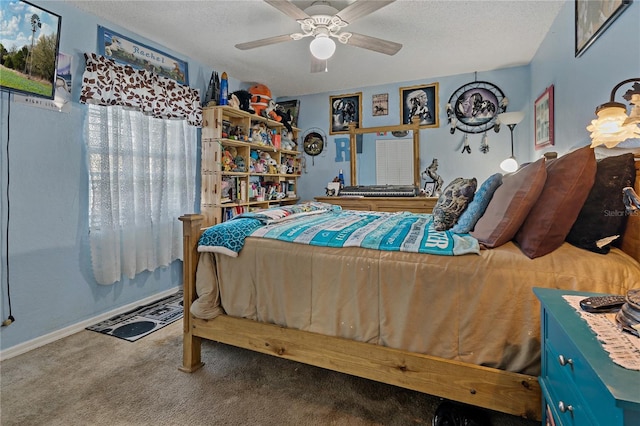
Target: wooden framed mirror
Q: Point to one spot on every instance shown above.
(414, 129)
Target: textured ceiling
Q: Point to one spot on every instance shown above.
(439, 38)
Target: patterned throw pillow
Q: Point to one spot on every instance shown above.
(454, 200)
(477, 207)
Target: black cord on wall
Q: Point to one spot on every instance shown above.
(10, 318)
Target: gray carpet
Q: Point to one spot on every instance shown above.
(93, 379)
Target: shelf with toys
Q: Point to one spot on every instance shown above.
(248, 162)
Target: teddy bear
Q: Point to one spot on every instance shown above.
(270, 111)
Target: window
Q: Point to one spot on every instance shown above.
(141, 179)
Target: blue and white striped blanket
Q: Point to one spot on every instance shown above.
(333, 227)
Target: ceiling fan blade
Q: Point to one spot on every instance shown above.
(264, 42)
(318, 65)
(376, 44)
(288, 9)
(361, 8)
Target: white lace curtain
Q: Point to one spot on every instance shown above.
(141, 179)
(141, 146)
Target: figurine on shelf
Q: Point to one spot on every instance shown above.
(431, 172)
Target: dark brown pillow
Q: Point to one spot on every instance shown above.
(569, 180)
(510, 205)
(603, 213)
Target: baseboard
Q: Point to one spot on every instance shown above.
(72, 329)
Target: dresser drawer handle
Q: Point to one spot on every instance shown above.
(564, 407)
(564, 361)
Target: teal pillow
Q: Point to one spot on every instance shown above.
(477, 207)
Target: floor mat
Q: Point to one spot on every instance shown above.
(142, 320)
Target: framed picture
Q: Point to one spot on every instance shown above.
(380, 104)
(544, 119)
(127, 51)
(345, 109)
(29, 46)
(428, 188)
(419, 103)
(593, 17)
(293, 107)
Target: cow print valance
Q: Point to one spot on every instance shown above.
(106, 82)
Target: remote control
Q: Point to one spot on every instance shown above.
(601, 304)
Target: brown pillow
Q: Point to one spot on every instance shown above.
(569, 181)
(510, 205)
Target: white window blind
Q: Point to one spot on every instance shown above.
(394, 162)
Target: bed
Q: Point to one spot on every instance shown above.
(465, 328)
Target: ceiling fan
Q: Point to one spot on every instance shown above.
(324, 22)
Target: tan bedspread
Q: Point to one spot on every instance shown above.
(476, 309)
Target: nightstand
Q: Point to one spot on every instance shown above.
(580, 384)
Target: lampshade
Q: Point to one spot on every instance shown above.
(613, 125)
(509, 165)
(322, 47)
(511, 117)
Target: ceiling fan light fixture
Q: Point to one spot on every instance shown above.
(322, 47)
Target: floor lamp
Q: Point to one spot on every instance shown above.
(510, 119)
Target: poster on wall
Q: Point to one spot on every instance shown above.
(592, 18)
(127, 51)
(62, 93)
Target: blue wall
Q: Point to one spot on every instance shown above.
(580, 85)
(52, 286)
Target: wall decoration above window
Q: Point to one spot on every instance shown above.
(422, 102)
(344, 110)
(593, 17)
(474, 107)
(544, 119)
(127, 51)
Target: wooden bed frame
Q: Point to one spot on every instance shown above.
(507, 392)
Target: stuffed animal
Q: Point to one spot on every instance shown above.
(239, 162)
(227, 162)
(270, 111)
(260, 97)
(285, 117)
(241, 99)
(273, 166)
(260, 134)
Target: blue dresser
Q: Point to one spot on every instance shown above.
(580, 384)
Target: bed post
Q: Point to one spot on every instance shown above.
(191, 224)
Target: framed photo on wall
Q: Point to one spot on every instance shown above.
(544, 119)
(344, 110)
(293, 106)
(380, 104)
(419, 103)
(127, 51)
(593, 17)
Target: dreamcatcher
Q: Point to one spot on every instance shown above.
(474, 108)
